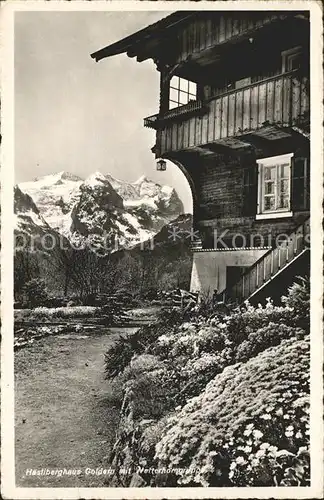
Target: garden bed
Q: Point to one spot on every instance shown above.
(224, 397)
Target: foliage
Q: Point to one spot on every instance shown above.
(217, 378)
(121, 352)
(298, 299)
(118, 356)
(248, 417)
(152, 385)
(34, 293)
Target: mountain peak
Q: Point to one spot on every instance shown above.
(95, 179)
(58, 176)
(142, 179)
(67, 176)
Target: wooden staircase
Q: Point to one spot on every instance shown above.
(257, 281)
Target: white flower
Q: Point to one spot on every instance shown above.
(231, 474)
(299, 435)
(233, 466)
(257, 434)
(266, 416)
(264, 446)
(240, 460)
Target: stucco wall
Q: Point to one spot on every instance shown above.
(209, 268)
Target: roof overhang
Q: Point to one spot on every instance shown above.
(145, 43)
(143, 36)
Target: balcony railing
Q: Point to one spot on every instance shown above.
(157, 121)
(281, 100)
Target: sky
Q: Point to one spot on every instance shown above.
(80, 116)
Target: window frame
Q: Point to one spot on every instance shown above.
(273, 161)
(287, 55)
(190, 96)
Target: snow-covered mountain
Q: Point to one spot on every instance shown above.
(102, 206)
(27, 216)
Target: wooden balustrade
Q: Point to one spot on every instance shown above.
(281, 100)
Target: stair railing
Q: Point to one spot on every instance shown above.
(265, 268)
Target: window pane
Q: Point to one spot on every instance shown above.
(174, 95)
(193, 88)
(284, 186)
(283, 202)
(284, 170)
(173, 105)
(174, 82)
(269, 173)
(269, 188)
(183, 98)
(184, 85)
(269, 203)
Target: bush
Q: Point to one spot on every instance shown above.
(223, 435)
(34, 293)
(121, 352)
(64, 312)
(298, 299)
(153, 386)
(219, 370)
(117, 357)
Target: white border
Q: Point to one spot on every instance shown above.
(7, 160)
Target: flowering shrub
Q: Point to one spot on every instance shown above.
(65, 312)
(250, 418)
(264, 337)
(226, 396)
(151, 384)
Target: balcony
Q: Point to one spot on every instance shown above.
(274, 103)
(183, 112)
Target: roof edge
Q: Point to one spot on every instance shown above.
(125, 43)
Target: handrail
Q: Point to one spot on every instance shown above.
(154, 120)
(255, 84)
(267, 266)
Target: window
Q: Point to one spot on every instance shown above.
(274, 186)
(291, 59)
(181, 92)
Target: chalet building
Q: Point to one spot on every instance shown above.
(234, 116)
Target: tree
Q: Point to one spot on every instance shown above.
(34, 293)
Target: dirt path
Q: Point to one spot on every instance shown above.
(64, 417)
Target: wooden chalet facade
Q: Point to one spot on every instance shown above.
(234, 115)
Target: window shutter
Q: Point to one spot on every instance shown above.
(250, 190)
(300, 184)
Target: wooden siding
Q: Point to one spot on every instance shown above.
(201, 34)
(281, 100)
